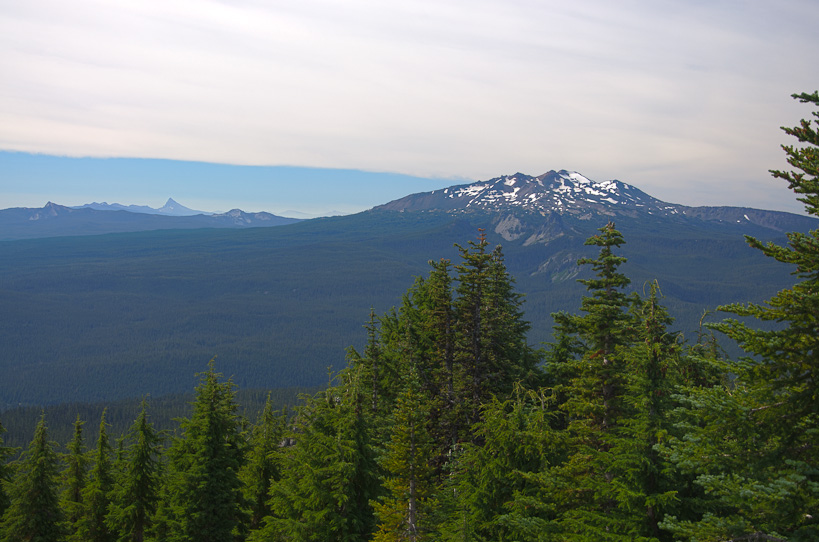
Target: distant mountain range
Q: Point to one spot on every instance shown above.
(171, 208)
(105, 317)
(55, 220)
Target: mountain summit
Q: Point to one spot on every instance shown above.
(540, 209)
(556, 191)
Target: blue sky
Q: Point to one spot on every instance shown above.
(244, 103)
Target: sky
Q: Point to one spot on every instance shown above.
(323, 106)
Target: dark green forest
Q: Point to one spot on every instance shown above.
(447, 425)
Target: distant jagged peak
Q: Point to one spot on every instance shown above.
(175, 208)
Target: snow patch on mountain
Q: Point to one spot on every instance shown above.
(560, 191)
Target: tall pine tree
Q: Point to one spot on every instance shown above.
(135, 497)
(96, 495)
(329, 475)
(74, 479)
(593, 384)
(204, 466)
(263, 465)
(762, 472)
(5, 472)
(34, 512)
(405, 511)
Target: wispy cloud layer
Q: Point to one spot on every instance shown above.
(683, 99)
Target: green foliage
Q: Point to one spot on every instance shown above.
(74, 479)
(405, 511)
(5, 472)
(760, 468)
(805, 158)
(96, 496)
(135, 495)
(500, 483)
(34, 512)
(492, 352)
(114, 316)
(329, 475)
(204, 486)
(263, 466)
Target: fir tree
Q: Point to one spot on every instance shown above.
(329, 475)
(500, 485)
(34, 512)
(491, 349)
(761, 471)
(74, 479)
(136, 493)
(96, 496)
(263, 463)
(5, 472)
(205, 489)
(641, 478)
(405, 511)
(592, 379)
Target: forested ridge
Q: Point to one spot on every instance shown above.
(447, 425)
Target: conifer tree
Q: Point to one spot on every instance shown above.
(405, 511)
(329, 475)
(136, 493)
(500, 485)
(96, 496)
(205, 489)
(34, 512)
(491, 349)
(74, 479)
(263, 463)
(761, 469)
(641, 479)
(5, 472)
(438, 370)
(377, 370)
(593, 384)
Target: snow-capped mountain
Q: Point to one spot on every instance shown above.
(556, 191)
(536, 209)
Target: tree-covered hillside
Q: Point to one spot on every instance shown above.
(447, 425)
(99, 318)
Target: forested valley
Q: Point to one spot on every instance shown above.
(447, 425)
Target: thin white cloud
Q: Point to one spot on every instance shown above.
(680, 98)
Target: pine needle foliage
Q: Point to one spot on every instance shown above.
(34, 512)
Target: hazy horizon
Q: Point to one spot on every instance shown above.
(681, 99)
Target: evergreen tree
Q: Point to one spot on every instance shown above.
(642, 482)
(74, 478)
(437, 364)
(205, 489)
(34, 512)
(329, 475)
(761, 471)
(5, 472)
(377, 371)
(606, 325)
(491, 352)
(263, 462)
(591, 379)
(136, 493)
(96, 495)
(500, 485)
(405, 511)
